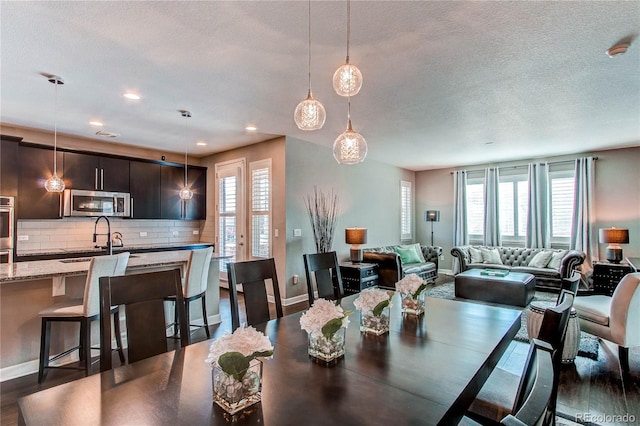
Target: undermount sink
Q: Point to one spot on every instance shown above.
(86, 259)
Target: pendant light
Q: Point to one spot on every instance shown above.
(310, 113)
(350, 147)
(347, 80)
(54, 183)
(185, 193)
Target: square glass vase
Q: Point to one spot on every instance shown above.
(327, 351)
(234, 395)
(375, 324)
(411, 305)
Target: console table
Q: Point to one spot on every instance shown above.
(358, 276)
(606, 276)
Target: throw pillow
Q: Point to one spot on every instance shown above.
(407, 255)
(556, 259)
(540, 259)
(491, 255)
(418, 250)
(476, 255)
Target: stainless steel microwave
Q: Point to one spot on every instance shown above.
(78, 202)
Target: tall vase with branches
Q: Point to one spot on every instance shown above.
(322, 209)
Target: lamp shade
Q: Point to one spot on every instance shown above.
(355, 235)
(614, 236)
(432, 215)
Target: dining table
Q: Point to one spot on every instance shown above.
(425, 371)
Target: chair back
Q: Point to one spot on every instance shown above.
(253, 275)
(101, 266)
(324, 270)
(143, 297)
(197, 275)
(624, 315)
(535, 389)
(570, 284)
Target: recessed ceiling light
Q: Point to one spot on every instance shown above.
(201, 143)
(96, 123)
(251, 128)
(130, 95)
(618, 49)
(106, 134)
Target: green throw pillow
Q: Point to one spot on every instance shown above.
(407, 255)
(417, 249)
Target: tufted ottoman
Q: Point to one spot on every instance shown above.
(516, 288)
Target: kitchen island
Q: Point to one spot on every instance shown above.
(28, 287)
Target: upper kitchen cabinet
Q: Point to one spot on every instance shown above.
(145, 180)
(36, 166)
(94, 172)
(172, 181)
(9, 166)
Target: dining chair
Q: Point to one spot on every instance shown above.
(253, 276)
(496, 398)
(323, 269)
(569, 284)
(143, 296)
(615, 318)
(83, 312)
(194, 286)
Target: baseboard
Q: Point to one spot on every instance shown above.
(448, 272)
(30, 367)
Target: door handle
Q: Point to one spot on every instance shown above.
(101, 178)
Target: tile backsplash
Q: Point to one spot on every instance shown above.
(77, 233)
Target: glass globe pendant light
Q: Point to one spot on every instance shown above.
(347, 80)
(310, 113)
(54, 183)
(350, 147)
(185, 193)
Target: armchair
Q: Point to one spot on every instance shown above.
(614, 318)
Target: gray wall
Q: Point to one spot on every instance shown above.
(368, 196)
(617, 197)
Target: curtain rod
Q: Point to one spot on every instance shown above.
(522, 166)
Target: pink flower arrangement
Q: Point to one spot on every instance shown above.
(370, 298)
(320, 314)
(412, 284)
(247, 341)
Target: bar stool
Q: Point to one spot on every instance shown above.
(83, 312)
(194, 286)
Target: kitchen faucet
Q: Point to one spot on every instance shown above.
(108, 234)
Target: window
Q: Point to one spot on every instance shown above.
(562, 194)
(406, 201)
(260, 208)
(514, 206)
(475, 208)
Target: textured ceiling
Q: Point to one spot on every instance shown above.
(446, 83)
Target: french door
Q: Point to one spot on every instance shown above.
(230, 226)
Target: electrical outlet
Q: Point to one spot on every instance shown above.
(297, 232)
(196, 232)
(143, 234)
(296, 279)
(442, 257)
(23, 238)
(174, 233)
(276, 233)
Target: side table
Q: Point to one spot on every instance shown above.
(606, 276)
(572, 339)
(358, 276)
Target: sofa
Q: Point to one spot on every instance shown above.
(392, 268)
(549, 266)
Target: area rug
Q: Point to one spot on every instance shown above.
(588, 343)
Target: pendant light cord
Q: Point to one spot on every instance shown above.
(186, 131)
(55, 128)
(309, 46)
(348, 26)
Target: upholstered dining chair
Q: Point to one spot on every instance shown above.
(194, 286)
(496, 398)
(323, 269)
(615, 318)
(83, 312)
(253, 275)
(143, 297)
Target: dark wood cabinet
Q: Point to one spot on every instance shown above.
(358, 276)
(94, 172)
(144, 184)
(606, 276)
(9, 166)
(36, 166)
(172, 181)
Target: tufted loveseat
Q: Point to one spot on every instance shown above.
(518, 259)
(391, 269)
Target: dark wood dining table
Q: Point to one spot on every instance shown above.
(425, 371)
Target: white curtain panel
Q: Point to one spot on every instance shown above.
(583, 235)
(538, 226)
(491, 207)
(460, 236)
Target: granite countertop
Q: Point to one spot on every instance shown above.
(42, 269)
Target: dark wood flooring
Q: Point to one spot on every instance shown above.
(587, 387)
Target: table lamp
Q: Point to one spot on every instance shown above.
(355, 237)
(432, 216)
(614, 237)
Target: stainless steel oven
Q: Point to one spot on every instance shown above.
(79, 202)
(7, 231)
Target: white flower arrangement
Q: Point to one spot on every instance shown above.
(372, 300)
(233, 352)
(324, 318)
(412, 285)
